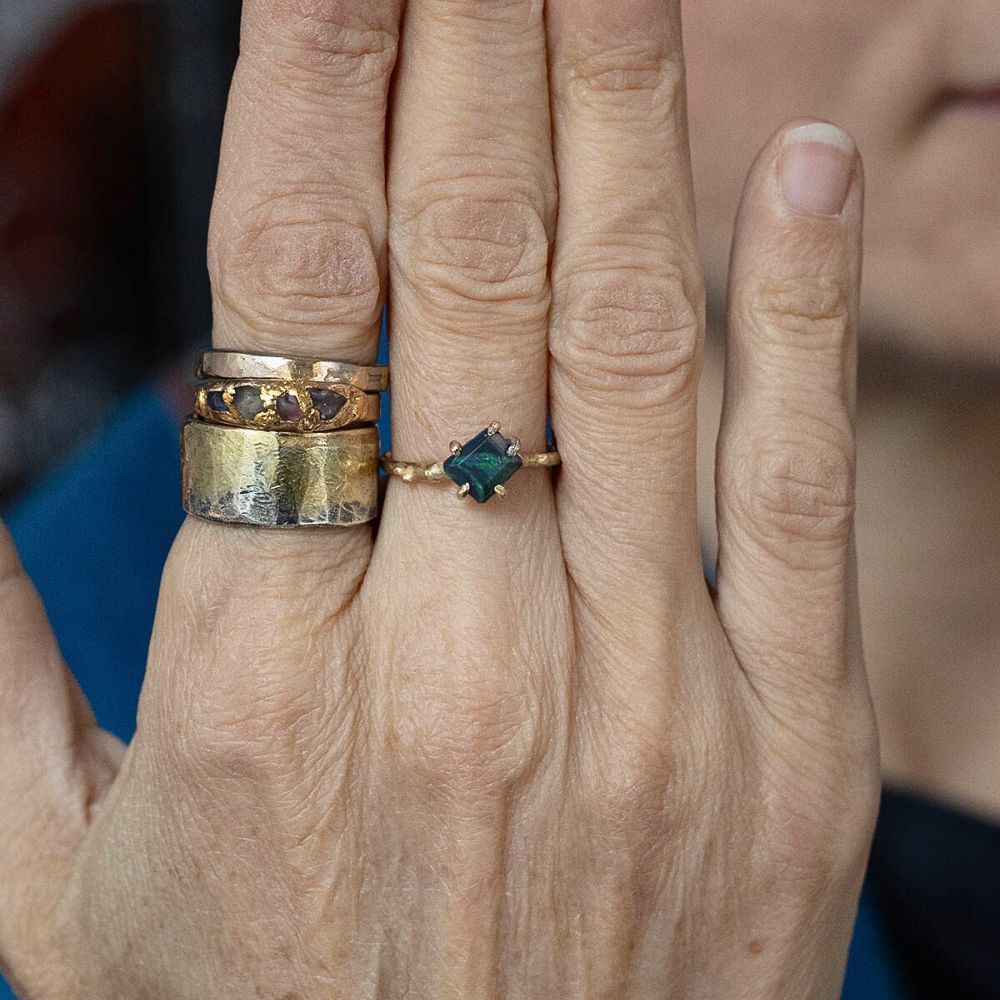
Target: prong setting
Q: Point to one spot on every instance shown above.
(480, 466)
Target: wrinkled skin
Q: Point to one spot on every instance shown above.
(511, 751)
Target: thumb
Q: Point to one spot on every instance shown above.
(55, 764)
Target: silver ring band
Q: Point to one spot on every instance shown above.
(232, 365)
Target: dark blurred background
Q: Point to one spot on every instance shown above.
(110, 117)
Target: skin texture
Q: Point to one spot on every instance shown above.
(511, 751)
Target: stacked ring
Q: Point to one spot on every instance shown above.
(285, 406)
(237, 366)
(283, 442)
(275, 479)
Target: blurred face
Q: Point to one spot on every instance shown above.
(917, 82)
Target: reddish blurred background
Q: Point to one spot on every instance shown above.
(110, 114)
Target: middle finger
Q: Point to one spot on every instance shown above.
(469, 680)
(472, 205)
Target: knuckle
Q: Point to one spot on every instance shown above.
(642, 72)
(809, 857)
(638, 774)
(631, 331)
(242, 733)
(827, 815)
(802, 492)
(467, 745)
(459, 252)
(811, 312)
(218, 743)
(322, 38)
(290, 266)
(516, 12)
(636, 798)
(269, 738)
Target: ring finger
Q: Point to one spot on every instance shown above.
(626, 334)
(472, 205)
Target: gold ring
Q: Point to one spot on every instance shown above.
(275, 479)
(479, 468)
(239, 366)
(284, 405)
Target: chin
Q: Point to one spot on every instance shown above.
(942, 304)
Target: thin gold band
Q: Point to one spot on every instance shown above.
(412, 472)
(480, 468)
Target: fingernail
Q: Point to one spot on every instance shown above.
(816, 166)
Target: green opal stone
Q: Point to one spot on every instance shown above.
(484, 464)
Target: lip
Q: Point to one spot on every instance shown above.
(971, 98)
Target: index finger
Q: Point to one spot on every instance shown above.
(297, 254)
(297, 246)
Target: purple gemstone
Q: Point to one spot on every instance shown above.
(287, 407)
(216, 401)
(327, 402)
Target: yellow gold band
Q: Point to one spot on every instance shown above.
(433, 472)
(278, 479)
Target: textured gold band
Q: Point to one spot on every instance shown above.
(433, 472)
(236, 365)
(285, 406)
(276, 479)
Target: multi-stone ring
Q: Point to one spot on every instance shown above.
(282, 405)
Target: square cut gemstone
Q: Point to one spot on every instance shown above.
(484, 464)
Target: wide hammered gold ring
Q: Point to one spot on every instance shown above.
(480, 467)
(277, 479)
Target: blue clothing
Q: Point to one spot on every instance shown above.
(100, 587)
(871, 973)
(100, 584)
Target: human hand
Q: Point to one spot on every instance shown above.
(519, 750)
